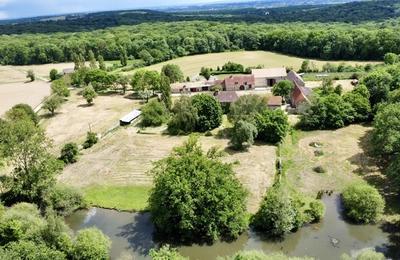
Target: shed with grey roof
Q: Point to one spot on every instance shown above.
(129, 118)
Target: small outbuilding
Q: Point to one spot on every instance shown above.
(68, 71)
(129, 118)
(275, 102)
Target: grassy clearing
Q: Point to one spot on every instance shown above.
(123, 198)
(125, 157)
(345, 158)
(191, 65)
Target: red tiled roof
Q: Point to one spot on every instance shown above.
(240, 80)
(227, 96)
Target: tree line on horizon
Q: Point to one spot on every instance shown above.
(148, 44)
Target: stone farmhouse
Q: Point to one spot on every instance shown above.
(259, 78)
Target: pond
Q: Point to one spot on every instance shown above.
(131, 235)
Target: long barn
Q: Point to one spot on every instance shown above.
(129, 118)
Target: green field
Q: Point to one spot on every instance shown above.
(191, 65)
(124, 198)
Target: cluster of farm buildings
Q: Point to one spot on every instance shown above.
(258, 79)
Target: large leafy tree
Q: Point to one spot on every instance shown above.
(283, 88)
(196, 197)
(378, 84)
(272, 125)
(34, 168)
(246, 108)
(360, 104)
(173, 72)
(209, 112)
(154, 113)
(100, 79)
(184, 118)
(243, 135)
(21, 112)
(146, 82)
(386, 134)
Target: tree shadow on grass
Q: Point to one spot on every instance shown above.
(48, 115)
(85, 105)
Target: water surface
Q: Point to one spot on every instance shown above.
(131, 235)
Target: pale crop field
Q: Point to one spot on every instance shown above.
(125, 157)
(191, 65)
(15, 89)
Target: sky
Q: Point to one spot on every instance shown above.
(10, 9)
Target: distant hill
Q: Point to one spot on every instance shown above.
(352, 12)
(252, 4)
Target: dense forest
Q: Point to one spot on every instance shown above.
(157, 42)
(353, 12)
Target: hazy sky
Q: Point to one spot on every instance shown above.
(29, 8)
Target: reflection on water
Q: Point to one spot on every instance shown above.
(131, 235)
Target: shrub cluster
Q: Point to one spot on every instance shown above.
(91, 139)
(200, 113)
(254, 120)
(363, 203)
(330, 110)
(154, 113)
(25, 234)
(283, 211)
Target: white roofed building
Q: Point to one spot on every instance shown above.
(268, 77)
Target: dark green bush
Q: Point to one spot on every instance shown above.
(272, 126)
(91, 139)
(69, 153)
(319, 169)
(316, 211)
(65, 200)
(279, 213)
(209, 112)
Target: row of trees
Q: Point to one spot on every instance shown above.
(153, 43)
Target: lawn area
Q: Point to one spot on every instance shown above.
(191, 65)
(125, 157)
(123, 198)
(344, 155)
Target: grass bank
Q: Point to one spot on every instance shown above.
(123, 198)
